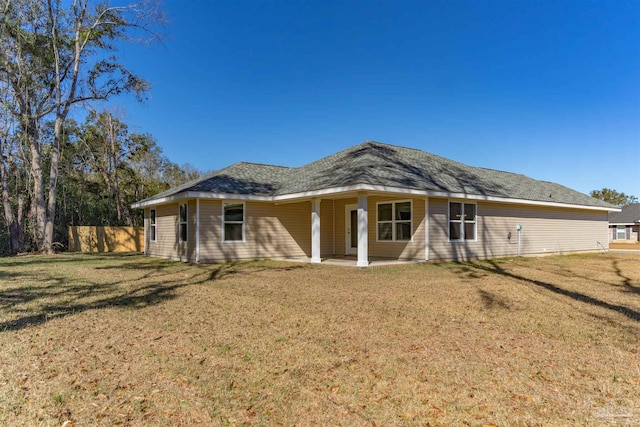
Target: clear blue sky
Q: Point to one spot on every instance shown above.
(549, 89)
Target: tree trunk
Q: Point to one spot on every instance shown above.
(29, 126)
(113, 164)
(53, 182)
(14, 223)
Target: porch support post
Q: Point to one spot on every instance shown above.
(197, 230)
(363, 231)
(426, 229)
(315, 231)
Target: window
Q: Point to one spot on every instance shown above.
(621, 232)
(182, 226)
(462, 221)
(152, 225)
(233, 222)
(394, 221)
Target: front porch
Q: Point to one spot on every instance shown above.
(366, 229)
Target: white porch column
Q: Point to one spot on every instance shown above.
(426, 229)
(363, 231)
(197, 230)
(315, 230)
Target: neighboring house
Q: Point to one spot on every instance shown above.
(372, 200)
(625, 225)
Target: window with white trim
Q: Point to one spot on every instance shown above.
(394, 221)
(233, 222)
(621, 232)
(182, 224)
(152, 226)
(462, 221)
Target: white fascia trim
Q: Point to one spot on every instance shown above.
(622, 223)
(428, 193)
(200, 195)
(365, 187)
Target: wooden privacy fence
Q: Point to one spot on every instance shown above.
(106, 239)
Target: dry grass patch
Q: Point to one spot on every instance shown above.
(130, 340)
(625, 245)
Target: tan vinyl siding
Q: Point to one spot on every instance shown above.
(384, 249)
(545, 230)
(341, 230)
(326, 227)
(191, 231)
(210, 231)
(271, 231)
(166, 244)
(401, 250)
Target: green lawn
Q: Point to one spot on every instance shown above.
(129, 340)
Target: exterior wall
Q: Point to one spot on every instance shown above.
(166, 244)
(545, 231)
(327, 227)
(284, 231)
(400, 250)
(340, 234)
(384, 249)
(271, 231)
(191, 231)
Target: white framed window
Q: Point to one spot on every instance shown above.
(233, 222)
(462, 221)
(152, 226)
(394, 221)
(621, 232)
(182, 223)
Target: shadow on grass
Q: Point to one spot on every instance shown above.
(59, 295)
(139, 298)
(492, 301)
(494, 267)
(626, 281)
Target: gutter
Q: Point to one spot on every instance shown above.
(360, 187)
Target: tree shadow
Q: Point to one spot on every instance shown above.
(141, 297)
(52, 297)
(626, 281)
(494, 267)
(492, 301)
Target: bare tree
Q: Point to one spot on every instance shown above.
(9, 169)
(50, 60)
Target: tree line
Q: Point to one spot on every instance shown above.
(57, 57)
(614, 197)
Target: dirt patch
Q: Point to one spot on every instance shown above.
(114, 339)
(630, 245)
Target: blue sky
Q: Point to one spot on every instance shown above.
(549, 89)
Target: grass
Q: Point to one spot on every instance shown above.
(128, 340)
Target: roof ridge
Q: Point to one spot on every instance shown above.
(261, 164)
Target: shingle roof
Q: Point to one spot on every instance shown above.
(380, 164)
(630, 214)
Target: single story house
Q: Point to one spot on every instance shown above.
(625, 225)
(370, 201)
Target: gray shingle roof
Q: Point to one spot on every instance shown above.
(380, 164)
(630, 214)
